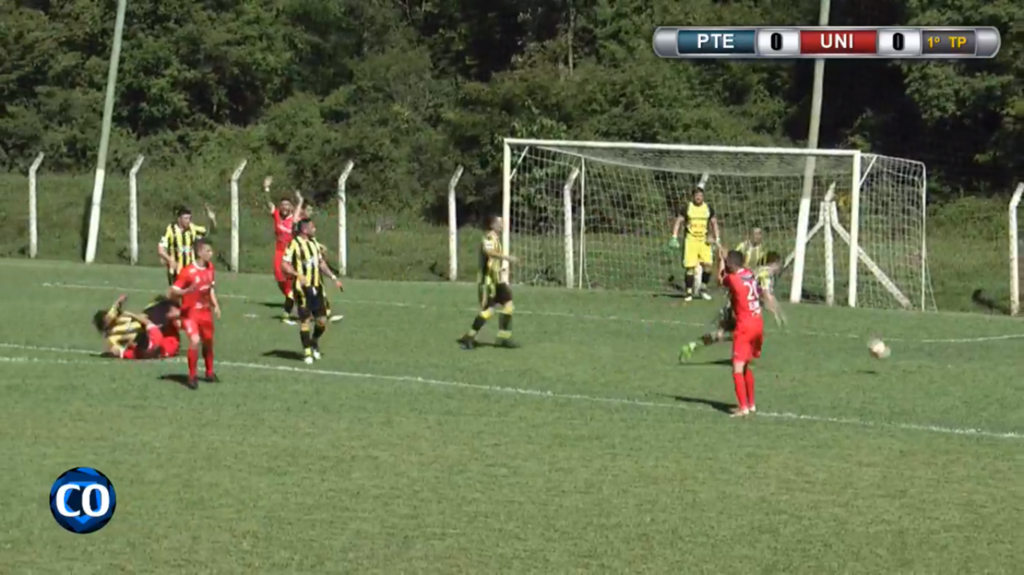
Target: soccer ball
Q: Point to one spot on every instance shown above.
(878, 349)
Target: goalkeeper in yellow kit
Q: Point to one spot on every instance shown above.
(698, 219)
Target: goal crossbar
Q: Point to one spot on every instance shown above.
(592, 214)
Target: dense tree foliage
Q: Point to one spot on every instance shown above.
(412, 88)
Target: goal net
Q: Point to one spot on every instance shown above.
(599, 215)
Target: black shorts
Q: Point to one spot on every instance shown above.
(310, 302)
(491, 294)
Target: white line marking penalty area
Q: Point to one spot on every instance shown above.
(567, 315)
(416, 380)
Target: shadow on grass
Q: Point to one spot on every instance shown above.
(285, 354)
(726, 362)
(712, 403)
(980, 299)
(179, 378)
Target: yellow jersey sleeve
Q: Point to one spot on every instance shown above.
(764, 280)
(165, 241)
(289, 254)
(198, 231)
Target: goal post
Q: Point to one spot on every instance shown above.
(1015, 250)
(599, 215)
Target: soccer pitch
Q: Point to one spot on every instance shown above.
(588, 449)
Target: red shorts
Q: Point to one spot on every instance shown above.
(199, 324)
(279, 276)
(747, 342)
(156, 342)
(170, 346)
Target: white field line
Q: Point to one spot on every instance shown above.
(1014, 435)
(567, 315)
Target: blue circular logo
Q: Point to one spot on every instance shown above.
(82, 500)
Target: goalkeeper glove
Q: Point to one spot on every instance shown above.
(673, 243)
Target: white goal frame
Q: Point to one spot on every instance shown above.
(828, 218)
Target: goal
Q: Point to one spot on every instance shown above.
(599, 215)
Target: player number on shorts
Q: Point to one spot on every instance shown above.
(776, 41)
(897, 41)
(753, 301)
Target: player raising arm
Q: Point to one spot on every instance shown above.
(199, 305)
(128, 335)
(697, 219)
(765, 275)
(285, 215)
(491, 290)
(303, 262)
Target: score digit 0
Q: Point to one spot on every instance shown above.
(898, 41)
(776, 41)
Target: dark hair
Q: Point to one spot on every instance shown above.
(202, 242)
(734, 258)
(698, 190)
(772, 258)
(182, 211)
(99, 321)
(491, 218)
(302, 224)
(286, 199)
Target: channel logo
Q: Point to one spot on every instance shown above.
(82, 500)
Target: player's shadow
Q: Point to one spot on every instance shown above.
(285, 354)
(179, 378)
(713, 404)
(273, 304)
(725, 361)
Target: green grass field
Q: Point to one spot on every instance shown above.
(588, 449)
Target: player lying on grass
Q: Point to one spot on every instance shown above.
(725, 323)
(148, 335)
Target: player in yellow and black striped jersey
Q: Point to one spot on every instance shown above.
(132, 335)
(492, 291)
(303, 262)
(176, 247)
(725, 323)
(754, 254)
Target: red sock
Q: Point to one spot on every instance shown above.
(748, 375)
(208, 357)
(193, 361)
(741, 390)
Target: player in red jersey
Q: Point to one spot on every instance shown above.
(285, 214)
(199, 305)
(748, 336)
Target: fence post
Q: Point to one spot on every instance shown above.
(33, 216)
(453, 227)
(234, 214)
(133, 209)
(343, 218)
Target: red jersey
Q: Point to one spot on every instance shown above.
(197, 283)
(744, 298)
(283, 229)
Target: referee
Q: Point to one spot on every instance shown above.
(175, 247)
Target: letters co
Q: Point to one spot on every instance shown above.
(82, 500)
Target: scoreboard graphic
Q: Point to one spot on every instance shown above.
(827, 42)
